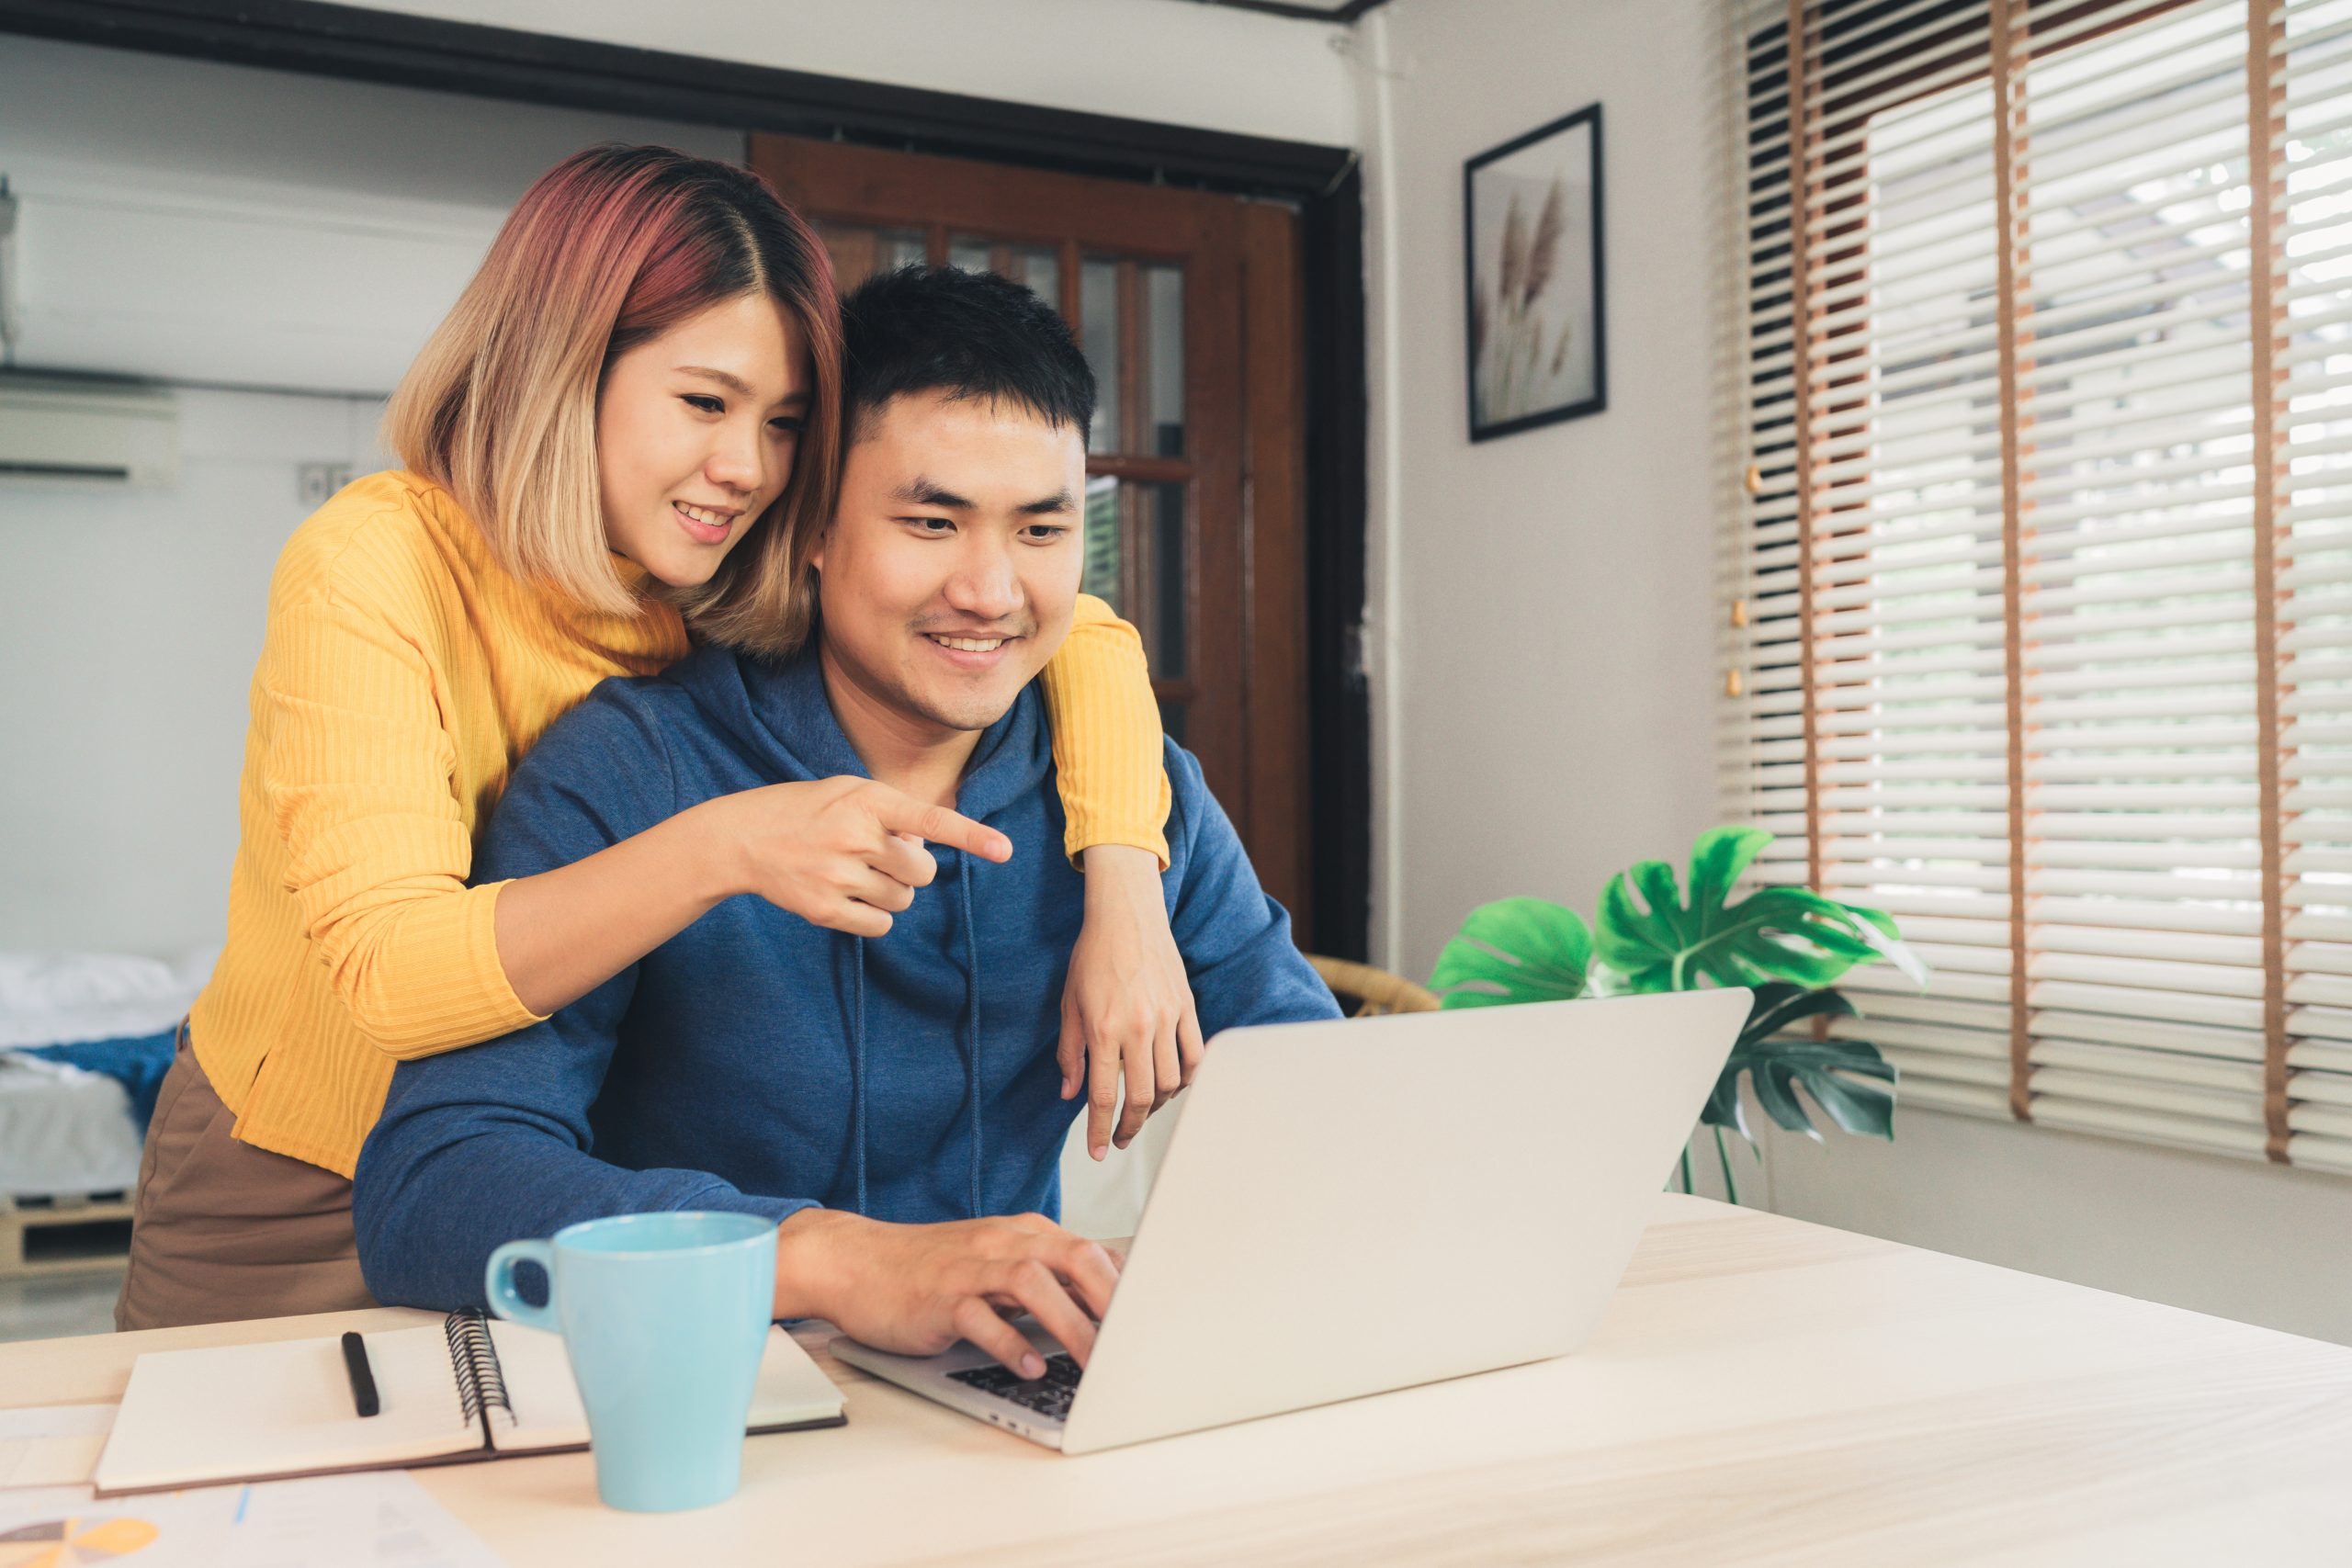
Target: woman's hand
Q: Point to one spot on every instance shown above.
(844, 853)
(1126, 1005)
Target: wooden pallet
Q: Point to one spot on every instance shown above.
(63, 1236)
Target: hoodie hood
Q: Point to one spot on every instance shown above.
(778, 717)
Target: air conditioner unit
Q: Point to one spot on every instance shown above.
(93, 433)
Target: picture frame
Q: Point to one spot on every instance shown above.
(1532, 287)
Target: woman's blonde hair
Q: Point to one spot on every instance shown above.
(611, 247)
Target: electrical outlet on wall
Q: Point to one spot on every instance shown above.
(315, 483)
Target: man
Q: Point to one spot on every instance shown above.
(894, 1102)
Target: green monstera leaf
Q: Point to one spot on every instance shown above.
(1829, 1069)
(1773, 934)
(1515, 949)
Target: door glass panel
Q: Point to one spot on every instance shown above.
(1132, 319)
(1136, 561)
(1103, 539)
(967, 254)
(1098, 328)
(860, 250)
(1159, 582)
(1163, 378)
(1041, 270)
(1037, 268)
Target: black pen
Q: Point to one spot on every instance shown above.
(363, 1381)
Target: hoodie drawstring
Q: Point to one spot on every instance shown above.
(972, 1018)
(971, 1046)
(857, 1071)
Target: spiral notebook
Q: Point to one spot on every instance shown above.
(473, 1389)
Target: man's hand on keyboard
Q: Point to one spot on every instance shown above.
(916, 1290)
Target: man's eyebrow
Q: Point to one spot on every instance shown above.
(923, 491)
(740, 387)
(1047, 506)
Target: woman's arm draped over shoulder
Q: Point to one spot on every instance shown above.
(1127, 1014)
(1106, 735)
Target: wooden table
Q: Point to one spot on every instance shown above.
(1763, 1392)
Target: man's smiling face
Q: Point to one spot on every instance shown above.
(951, 570)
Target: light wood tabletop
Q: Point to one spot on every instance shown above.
(1761, 1392)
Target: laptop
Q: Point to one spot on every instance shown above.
(1335, 1190)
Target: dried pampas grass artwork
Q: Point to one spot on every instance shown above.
(1531, 230)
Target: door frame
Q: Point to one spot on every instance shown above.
(1322, 182)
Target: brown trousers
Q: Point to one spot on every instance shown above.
(222, 1230)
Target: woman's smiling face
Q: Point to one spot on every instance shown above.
(696, 431)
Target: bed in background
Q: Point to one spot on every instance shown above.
(84, 1040)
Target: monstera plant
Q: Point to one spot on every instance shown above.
(1788, 943)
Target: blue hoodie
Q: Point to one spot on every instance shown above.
(757, 1062)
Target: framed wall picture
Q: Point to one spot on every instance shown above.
(1530, 236)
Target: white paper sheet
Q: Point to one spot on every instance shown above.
(52, 1445)
(381, 1520)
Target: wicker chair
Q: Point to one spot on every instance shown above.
(1371, 991)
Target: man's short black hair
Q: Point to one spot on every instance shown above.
(968, 334)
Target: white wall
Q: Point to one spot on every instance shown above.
(2259, 1243)
(1173, 61)
(1541, 636)
(1544, 632)
(130, 621)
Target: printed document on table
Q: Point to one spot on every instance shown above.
(382, 1519)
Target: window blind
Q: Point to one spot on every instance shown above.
(2041, 633)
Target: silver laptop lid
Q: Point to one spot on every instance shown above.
(1335, 1190)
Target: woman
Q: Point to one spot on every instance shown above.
(609, 445)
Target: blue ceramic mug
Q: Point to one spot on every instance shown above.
(665, 1317)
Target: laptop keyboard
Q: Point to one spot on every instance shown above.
(1049, 1395)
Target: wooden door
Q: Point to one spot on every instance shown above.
(1187, 305)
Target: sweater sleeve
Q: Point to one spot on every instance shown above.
(357, 775)
(1106, 736)
(477, 1147)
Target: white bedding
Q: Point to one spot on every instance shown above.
(63, 1133)
(57, 998)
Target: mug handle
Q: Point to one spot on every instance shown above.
(498, 1282)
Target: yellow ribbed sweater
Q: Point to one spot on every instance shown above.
(402, 674)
